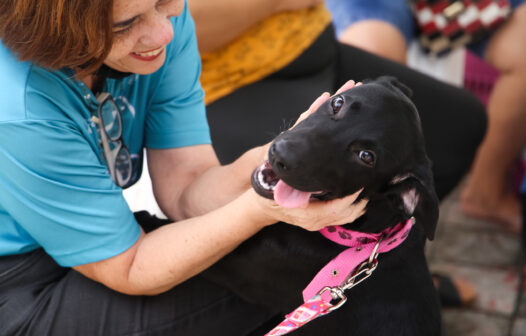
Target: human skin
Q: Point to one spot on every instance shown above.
(377, 37)
(218, 22)
(487, 193)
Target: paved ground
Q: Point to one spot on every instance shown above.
(486, 255)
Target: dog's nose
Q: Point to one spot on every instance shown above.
(277, 154)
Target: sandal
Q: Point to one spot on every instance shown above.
(453, 292)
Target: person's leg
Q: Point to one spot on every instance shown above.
(382, 27)
(453, 120)
(377, 37)
(40, 298)
(487, 193)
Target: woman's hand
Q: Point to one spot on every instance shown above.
(313, 108)
(323, 98)
(314, 215)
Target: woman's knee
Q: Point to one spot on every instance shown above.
(378, 37)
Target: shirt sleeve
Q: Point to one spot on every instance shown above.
(56, 189)
(176, 115)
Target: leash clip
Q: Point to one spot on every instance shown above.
(336, 293)
(361, 273)
(365, 269)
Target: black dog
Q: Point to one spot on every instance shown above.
(367, 137)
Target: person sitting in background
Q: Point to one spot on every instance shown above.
(385, 27)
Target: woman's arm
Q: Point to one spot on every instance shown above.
(189, 181)
(218, 22)
(175, 252)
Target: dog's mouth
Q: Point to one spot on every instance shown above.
(267, 184)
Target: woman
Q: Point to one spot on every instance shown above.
(85, 86)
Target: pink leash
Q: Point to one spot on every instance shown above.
(348, 269)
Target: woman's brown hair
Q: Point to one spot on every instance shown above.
(58, 33)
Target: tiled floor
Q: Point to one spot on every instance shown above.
(486, 255)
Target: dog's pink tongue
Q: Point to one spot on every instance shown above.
(288, 197)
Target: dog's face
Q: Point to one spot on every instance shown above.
(367, 137)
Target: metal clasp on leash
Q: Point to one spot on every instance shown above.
(360, 273)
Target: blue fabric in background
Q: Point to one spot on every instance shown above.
(396, 12)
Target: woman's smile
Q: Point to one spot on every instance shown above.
(142, 30)
(149, 55)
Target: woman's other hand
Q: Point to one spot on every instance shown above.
(313, 108)
(323, 98)
(316, 215)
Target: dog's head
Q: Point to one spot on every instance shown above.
(367, 137)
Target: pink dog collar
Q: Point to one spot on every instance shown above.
(348, 269)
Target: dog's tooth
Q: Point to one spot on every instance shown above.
(261, 181)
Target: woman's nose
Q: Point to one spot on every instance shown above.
(160, 32)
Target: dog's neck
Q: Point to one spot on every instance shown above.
(342, 273)
(376, 221)
(360, 247)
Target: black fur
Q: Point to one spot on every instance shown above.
(323, 153)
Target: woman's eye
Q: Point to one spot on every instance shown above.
(337, 104)
(124, 27)
(122, 31)
(367, 157)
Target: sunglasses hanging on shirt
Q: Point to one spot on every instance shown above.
(116, 153)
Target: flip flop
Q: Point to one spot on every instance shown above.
(453, 292)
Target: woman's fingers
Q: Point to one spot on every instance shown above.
(317, 215)
(336, 212)
(323, 98)
(347, 86)
(313, 107)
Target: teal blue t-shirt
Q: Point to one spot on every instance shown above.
(55, 188)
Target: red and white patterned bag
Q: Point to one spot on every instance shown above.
(447, 24)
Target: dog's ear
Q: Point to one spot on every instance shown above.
(393, 81)
(414, 194)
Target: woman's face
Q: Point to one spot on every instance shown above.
(142, 29)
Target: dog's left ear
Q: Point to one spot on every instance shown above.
(393, 81)
(414, 194)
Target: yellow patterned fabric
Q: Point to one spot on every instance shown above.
(261, 50)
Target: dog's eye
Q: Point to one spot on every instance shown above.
(337, 104)
(367, 157)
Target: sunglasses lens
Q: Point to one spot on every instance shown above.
(123, 167)
(111, 120)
